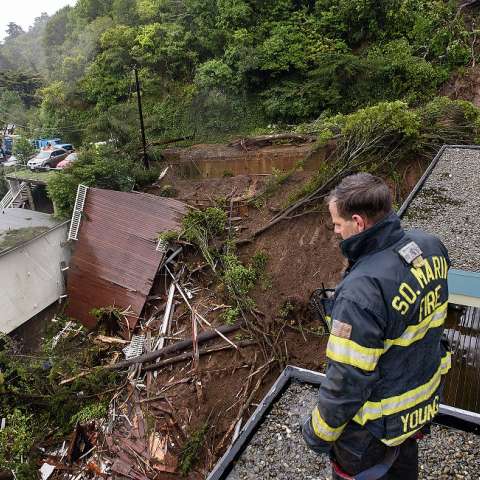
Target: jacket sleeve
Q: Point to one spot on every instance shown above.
(354, 348)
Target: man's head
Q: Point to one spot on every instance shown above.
(357, 203)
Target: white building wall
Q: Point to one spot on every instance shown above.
(30, 277)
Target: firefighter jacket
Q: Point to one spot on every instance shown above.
(385, 356)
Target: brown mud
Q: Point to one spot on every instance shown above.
(303, 254)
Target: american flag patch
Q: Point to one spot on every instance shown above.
(341, 329)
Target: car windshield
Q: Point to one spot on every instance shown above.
(43, 155)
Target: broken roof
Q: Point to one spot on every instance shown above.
(18, 226)
(115, 260)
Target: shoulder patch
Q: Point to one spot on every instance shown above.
(341, 329)
(412, 254)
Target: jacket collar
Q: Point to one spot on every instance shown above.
(378, 237)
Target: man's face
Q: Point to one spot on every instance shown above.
(343, 227)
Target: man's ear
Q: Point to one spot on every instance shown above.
(361, 222)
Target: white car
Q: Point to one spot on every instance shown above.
(12, 161)
(47, 158)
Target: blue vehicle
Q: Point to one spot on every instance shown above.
(43, 142)
(7, 145)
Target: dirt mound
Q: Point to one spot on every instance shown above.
(464, 86)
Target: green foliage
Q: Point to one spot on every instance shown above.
(12, 107)
(259, 261)
(16, 443)
(200, 227)
(89, 412)
(104, 168)
(240, 279)
(191, 449)
(378, 138)
(168, 236)
(220, 67)
(286, 309)
(278, 178)
(168, 191)
(35, 402)
(231, 315)
(23, 149)
(4, 187)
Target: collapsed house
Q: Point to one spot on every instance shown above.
(33, 257)
(117, 252)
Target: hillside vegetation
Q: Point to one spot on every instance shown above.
(212, 68)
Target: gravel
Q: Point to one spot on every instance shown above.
(277, 450)
(448, 206)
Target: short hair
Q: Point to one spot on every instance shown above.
(362, 194)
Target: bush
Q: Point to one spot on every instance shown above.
(240, 279)
(102, 169)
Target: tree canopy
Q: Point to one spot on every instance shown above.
(216, 67)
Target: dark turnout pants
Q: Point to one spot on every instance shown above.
(357, 450)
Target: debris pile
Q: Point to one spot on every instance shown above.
(146, 430)
(168, 397)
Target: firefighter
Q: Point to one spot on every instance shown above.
(386, 356)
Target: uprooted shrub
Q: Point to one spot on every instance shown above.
(17, 441)
(201, 227)
(378, 138)
(239, 280)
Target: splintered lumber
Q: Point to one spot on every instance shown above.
(104, 339)
(190, 355)
(175, 347)
(166, 319)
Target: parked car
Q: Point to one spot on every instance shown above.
(47, 158)
(73, 157)
(66, 146)
(12, 161)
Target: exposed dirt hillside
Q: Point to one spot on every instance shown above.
(303, 253)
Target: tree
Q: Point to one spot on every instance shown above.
(91, 9)
(25, 84)
(13, 30)
(23, 149)
(12, 109)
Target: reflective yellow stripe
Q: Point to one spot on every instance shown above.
(398, 403)
(322, 429)
(392, 442)
(349, 352)
(413, 333)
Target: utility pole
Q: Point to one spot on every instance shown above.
(146, 163)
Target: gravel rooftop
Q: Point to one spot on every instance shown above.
(448, 205)
(277, 450)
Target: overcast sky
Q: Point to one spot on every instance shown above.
(23, 12)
